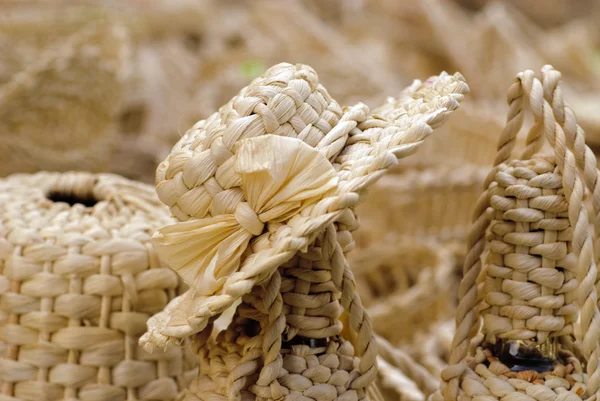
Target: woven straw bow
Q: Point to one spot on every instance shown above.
(279, 178)
(259, 180)
(546, 302)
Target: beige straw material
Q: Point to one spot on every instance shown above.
(400, 377)
(554, 12)
(265, 190)
(77, 285)
(405, 285)
(431, 349)
(57, 109)
(434, 203)
(537, 283)
(468, 138)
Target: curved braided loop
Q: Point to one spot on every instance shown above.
(575, 136)
(275, 173)
(467, 312)
(536, 194)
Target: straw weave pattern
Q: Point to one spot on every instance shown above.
(540, 273)
(294, 280)
(77, 286)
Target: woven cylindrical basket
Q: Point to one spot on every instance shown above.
(407, 286)
(434, 204)
(265, 191)
(78, 280)
(527, 320)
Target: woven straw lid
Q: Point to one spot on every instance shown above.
(77, 284)
(249, 201)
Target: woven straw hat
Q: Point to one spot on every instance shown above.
(77, 284)
(270, 181)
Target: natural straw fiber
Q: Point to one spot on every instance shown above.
(536, 289)
(435, 203)
(431, 349)
(468, 138)
(401, 377)
(77, 285)
(405, 285)
(265, 190)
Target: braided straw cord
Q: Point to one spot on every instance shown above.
(208, 180)
(575, 136)
(528, 88)
(78, 284)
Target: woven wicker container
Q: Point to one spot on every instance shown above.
(265, 191)
(435, 204)
(77, 285)
(405, 284)
(527, 320)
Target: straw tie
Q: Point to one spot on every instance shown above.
(279, 178)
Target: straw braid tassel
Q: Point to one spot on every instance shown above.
(539, 276)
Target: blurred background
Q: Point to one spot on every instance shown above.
(111, 85)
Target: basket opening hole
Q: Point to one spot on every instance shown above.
(72, 199)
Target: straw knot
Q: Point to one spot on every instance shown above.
(248, 219)
(280, 177)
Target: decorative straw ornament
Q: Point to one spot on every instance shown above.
(78, 280)
(534, 289)
(265, 190)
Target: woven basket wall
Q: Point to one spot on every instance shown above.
(406, 286)
(77, 285)
(435, 203)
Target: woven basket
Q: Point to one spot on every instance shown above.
(405, 285)
(535, 290)
(431, 204)
(266, 220)
(77, 284)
